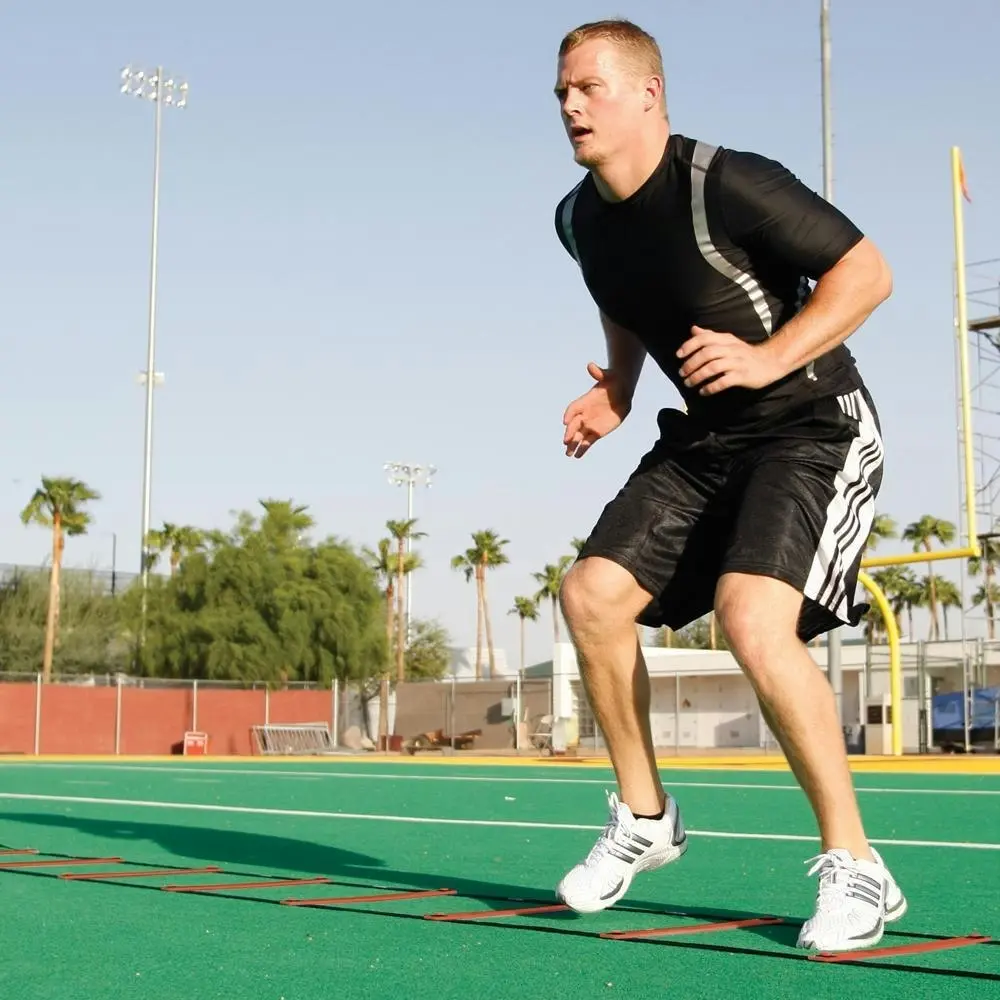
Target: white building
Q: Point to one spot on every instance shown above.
(462, 665)
(700, 698)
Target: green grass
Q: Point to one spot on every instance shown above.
(129, 939)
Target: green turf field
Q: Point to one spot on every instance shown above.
(493, 835)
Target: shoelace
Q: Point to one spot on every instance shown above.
(838, 878)
(608, 836)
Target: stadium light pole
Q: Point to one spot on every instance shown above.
(405, 474)
(834, 660)
(150, 85)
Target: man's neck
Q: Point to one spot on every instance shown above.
(621, 178)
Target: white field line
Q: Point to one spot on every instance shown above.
(440, 821)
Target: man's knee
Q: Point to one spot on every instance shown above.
(597, 594)
(758, 615)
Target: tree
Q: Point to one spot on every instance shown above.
(987, 564)
(402, 531)
(429, 651)
(58, 504)
(947, 597)
(988, 594)
(526, 609)
(899, 586)
(486, 553)
(697, 635)
(89, 623)
(385, 563)
(262, 604)
(285, 523)
(883, 527)
(551, 579)
(178, 540)
(922, 533)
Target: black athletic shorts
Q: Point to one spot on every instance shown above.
(794, 501)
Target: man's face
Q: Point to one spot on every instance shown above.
(603, 100)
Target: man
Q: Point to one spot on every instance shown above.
(757, 499)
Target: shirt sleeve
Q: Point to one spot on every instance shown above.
(564, 224)
(767, 208)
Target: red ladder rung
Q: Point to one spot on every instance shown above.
(72, 862)
(132, 873)
(27, 850)
(273, 883)
(521, 911)
(725, 925)
(381, 898)
(903, 949)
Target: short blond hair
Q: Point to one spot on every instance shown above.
(640, 47)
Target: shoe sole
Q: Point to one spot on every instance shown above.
(902, 906)
(598, 905)
(891, 916)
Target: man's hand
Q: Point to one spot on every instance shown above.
(596, 413)
(727, 361)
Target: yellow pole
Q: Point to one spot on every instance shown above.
(912, 558)
(963, 345)
(895, 665)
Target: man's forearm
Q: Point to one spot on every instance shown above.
(626, 355)
(842, 300)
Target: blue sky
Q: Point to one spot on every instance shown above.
(358, 261)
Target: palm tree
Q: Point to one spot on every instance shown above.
(883, 527)
(385, 564)
(486, 553)
(402, 531)
(990, 597)
(285, 522)
(178, 540)
(922, 533)
(578, 544)
(987, 563)
(58, 504)
(947, 597)
(551, 579)
(526, 609)
(910, 594)
(897, 583)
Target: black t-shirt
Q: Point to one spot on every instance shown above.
(720, 239)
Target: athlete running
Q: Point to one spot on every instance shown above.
(756, 500)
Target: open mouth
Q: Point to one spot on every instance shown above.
(578, 132)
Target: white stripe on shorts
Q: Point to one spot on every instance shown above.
(850, 513)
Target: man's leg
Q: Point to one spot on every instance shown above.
(600, 602)
(857, 895)
(759, 616)
(653, 555)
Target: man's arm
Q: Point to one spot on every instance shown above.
(626, 355)
(768, 211)
(609, 401)
(844, 297)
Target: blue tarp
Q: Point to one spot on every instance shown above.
(946, 709)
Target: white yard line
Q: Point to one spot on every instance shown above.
(440, 821)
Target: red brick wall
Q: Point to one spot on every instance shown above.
(17, 718)
(77, 719)
(153, 719)
(82, 720)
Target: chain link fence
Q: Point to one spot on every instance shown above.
(120, 714)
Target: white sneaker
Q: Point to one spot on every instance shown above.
(625, 847)
(856, 899)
